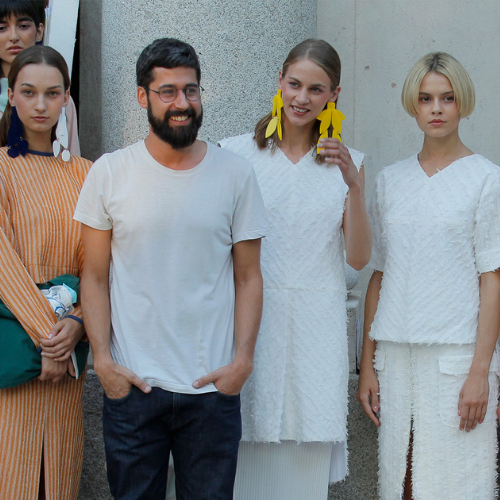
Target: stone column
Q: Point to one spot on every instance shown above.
(241, 44)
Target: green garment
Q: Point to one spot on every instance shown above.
(20, 360)
(4, 95)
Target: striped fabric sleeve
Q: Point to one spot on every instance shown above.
(18, 291)
(78, 311)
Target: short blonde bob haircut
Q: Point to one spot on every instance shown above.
(446, 65)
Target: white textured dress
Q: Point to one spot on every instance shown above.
(433, 237)
(298, 389)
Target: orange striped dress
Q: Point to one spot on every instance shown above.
(39, 240)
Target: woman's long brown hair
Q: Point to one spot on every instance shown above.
(326, 57)
(38, 54)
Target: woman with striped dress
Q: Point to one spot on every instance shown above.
(41, 421)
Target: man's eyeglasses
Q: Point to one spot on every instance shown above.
(169, 94)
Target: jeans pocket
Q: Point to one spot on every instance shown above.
(119, 400)
(453, 372)
(230, 397)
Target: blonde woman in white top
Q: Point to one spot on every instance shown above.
(429, 371)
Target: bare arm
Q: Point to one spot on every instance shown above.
(116, 379)
(473, 399)
(368, 387)
(247, 314)
(357, 229)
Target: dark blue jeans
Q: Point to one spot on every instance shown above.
(202, 431)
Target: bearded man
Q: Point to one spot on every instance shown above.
(179, 222)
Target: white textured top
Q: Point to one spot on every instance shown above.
(433, 236)
(298, 389)
(172, 292)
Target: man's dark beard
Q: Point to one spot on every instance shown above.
(178, 137)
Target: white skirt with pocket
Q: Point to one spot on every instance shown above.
(419, 392)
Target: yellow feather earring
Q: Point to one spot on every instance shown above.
(331, 119)
(275, 123)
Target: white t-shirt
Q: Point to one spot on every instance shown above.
(432, 237)
(172, 291)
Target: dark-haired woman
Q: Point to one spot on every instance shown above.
(294, 405)
(22, 26)
(41, 421)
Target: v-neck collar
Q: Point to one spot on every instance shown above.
(301, 158)
(452, 164)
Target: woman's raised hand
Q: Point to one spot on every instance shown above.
(336, 153)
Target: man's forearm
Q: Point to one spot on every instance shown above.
(247, 316)
(95, 291)
(97, 316)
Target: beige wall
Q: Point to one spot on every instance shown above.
(379, 41)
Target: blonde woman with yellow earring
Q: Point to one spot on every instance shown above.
(294, 406)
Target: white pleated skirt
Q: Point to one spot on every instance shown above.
(287, 470)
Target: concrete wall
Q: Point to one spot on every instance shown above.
(241, 44)
(378, 43)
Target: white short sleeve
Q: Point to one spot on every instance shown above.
(90, 209)
(379, 248)
(357, 157)
(487, 225)
(249, 220)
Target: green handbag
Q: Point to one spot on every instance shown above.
(20, 361)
